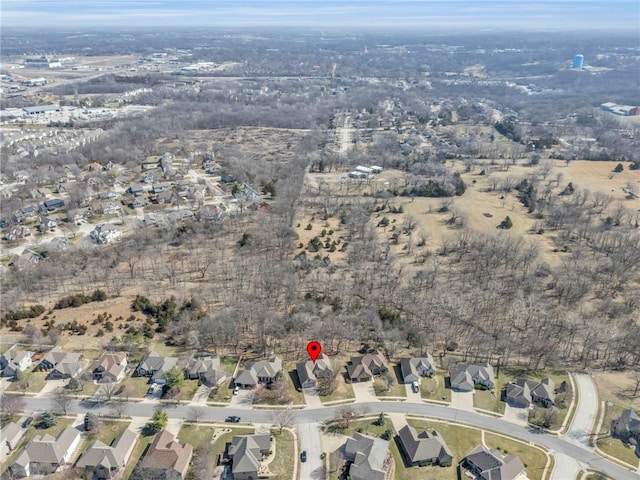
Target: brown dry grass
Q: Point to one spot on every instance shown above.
(617, 387)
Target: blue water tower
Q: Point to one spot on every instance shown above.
(577, 61)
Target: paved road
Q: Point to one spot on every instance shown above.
(574, 450)
(311, 442)
(586, 412)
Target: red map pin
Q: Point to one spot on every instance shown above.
(314, 349)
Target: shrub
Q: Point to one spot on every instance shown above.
(386, 435)
(506, 223)
(619, 168)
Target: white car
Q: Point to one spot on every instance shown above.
(236, 390)
(415, 387)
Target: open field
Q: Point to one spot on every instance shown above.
(284, 461)
(534, 460)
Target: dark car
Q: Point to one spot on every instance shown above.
(232, 419)
(27, 422)
(303, 456)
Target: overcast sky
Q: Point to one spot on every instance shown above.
(521, 14)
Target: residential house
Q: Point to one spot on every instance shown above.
(426, 448)
(57, 244)
(246, 452)
(27, 259)
(522, 392)
(11, 435)
(416, 367)
(101, 462)
(627, 426)
(135, 190)
(26, 214)
(105, 233)
(210, 212)
(165, 459)
(45, 224)
(138, 202)
(53, 204)
(78, 214)
(14, 359)
(264, 371)
(310, 371)
(109, 368)
(156, 366)
(362, 369)
(17, 232)
(45, 454)
(250, 194)
(109, 208)
(466, 377)
(206, 369)
(490, 464)
(148, 178)
(60, 364)
(367, 456)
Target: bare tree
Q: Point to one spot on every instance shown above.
(11, 405)
(194, 414)
(120, 407)
(107, 391)
(282, 419)
(61, 399)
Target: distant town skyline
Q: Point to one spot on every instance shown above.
(356, 14)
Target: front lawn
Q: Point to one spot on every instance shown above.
(614, 446)
(343, 391)
(196, 435)
(461, 440)
(434, 389)
(35, 382)
(222, 393)
(397, 388)
(138, 452)
(486, 400)
(108, 431)
(135, 387)
(285, 459)
(534, 460)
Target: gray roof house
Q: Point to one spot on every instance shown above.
(627, 426)
(246, 453)
(14, 359)
(465, 377)
(362, 369)
(522, 392)
(46, 454)
(165, 459)
(60, 364)
(109, 368)
(489, 464)
(101, 462)
(156, 366)
(309, 371)
(206, 369)
(368, 455)
(416, 367)
(11, 435)
(264, 371)
(423, 449)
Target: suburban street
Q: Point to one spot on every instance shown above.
(586, 411)
(309, 436)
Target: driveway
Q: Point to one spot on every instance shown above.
(517, 415)
(462, 400)
(244, 399)
(411, 396)
(586, 410)
(311, 442)
(201, 396)
(312, 398)
(49, 387)
(566, 467)
(364, 391)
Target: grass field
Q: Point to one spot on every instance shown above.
(282, 464)
(434, 389)
(397, 389)
(485, 400)
(136, 455)
(136, 387)
(533, 459)
(36, 381)
(108, 431)
(195, 435)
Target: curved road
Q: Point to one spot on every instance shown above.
(555, 444)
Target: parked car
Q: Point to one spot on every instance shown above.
(303, 456)
(236, 390)
(152, 389)
(323, 456)
(27, 422)
(415, 387)
(232, 419)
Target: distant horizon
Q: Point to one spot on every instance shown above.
(359, 15)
